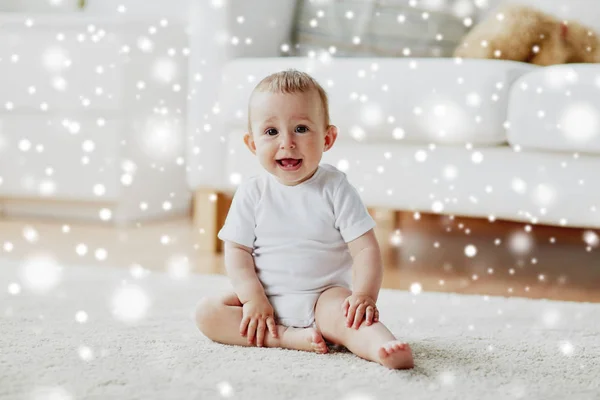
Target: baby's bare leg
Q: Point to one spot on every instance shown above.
(372, 342)
(219, 319)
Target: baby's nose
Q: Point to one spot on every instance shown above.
(287, 141)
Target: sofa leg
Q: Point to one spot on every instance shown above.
(209, 212)
(388, 222)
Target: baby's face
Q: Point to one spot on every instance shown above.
(289, 134)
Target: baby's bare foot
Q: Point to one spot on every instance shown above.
(396, 355)
(306, 339)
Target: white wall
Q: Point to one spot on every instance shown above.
(178, 9)
(35, 6)
(170, 9)
(135, 153)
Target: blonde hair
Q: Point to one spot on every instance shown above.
(291, 81)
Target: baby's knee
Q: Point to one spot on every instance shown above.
(206, 310)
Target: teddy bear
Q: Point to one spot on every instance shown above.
(522, 33)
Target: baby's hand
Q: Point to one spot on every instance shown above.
(357, 307)
(257, 317)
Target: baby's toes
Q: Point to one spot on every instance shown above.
(320, 348)
(395, 355)
(383, 352)
(392, 347)
(318, 343)
(399, 346)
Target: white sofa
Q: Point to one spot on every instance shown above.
(479, 138)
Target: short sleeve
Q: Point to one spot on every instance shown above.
(240, 222)
(351, 216)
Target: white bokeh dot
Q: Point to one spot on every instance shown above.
(99, 189)
(8, 247)
(81, 249)
(85, 353)
(371, 114)
(343, 165)
(178, 267)
(421, 155)
(450, 172)
(130, 303)
(396, 238)
(105, 214)
(580, 122)
(88, 146)
(437, 206)
(126, 179)
(544, 195)
(591, 238)
(470, 250)
(235, 178)
(14, 288)
(447, 378)
(30, 234)
(520, 243)
(358, 133)
(567, 348)
(398, 133)
(473, 100)
(477, 157)
(101, 254)
(40, 274)
(24, 145)
(225, 389)
(519, 185)
(416, 288)
(550, 318)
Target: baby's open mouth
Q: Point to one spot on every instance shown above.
(289, 164)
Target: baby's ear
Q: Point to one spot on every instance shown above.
(330, 137)
(249, 140)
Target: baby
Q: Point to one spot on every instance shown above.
(299, 243)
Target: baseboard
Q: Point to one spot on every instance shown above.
(55, 209)
(78, 211)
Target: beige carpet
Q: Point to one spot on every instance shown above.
(466, 347)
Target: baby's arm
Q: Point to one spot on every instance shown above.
(258, 313)
(367, 275)
(240, 269)
(367, 270)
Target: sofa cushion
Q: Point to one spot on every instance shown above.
(380, 99)
(532, 187)
(385, 29)
(557, 108)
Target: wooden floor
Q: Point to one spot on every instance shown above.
(431, 256)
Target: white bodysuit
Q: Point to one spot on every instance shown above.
(299, 237)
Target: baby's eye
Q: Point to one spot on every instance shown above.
(271, 132)
(301, 129)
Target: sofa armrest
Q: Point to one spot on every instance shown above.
(222, 30)
(556, 108)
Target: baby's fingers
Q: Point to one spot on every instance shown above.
(272, 326)
(350, 316)
(252, 330)
(345, 306)
(370, 315)
(360, 314)
(260, 332)
(244, 325)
